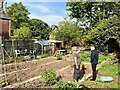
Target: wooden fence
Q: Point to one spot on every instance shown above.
(10, 45)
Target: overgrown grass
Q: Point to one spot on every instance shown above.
(85, 56)
(107, 69)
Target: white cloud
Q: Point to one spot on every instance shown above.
(49, 19)
(44, 13)
(41, 10)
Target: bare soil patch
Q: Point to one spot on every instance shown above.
(29, 70)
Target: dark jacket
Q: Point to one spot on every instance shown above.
(94, 57)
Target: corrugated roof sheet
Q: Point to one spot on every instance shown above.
(47, 42)
(44, 42)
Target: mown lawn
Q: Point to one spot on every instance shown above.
(107, 69)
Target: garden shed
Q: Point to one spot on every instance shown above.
(5, 26)
(47, 46)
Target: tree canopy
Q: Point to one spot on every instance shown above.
(105, 29)
(69, 33)
(92, 11)
(23, 33)
(18, 15)
(39, 28)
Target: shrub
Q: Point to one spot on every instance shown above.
(49, 77)
(59, 57)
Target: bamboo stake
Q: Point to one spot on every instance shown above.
(4, 66)
(15, 62)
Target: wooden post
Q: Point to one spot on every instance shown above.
(3, 56)
(15, 61)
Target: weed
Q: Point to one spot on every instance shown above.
(5, 83)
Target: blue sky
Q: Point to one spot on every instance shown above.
(50, 12)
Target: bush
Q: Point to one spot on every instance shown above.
(49, 77)
(64, 85)
(59, 57)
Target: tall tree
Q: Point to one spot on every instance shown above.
(106, 29)
(69, 33)
(39, 28)
(92, 12)
(18, 15)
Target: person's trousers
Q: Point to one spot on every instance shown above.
(94, 72)
(76, 73)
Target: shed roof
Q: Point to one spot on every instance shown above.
(47, 42)
(55, 41)
(43, 42)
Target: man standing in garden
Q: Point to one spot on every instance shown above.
(94, 62)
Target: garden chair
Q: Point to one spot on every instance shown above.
(17, 53)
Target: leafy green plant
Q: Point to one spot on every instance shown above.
(64, 85)
(59, 57)
(5, 83)
(49, 77)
